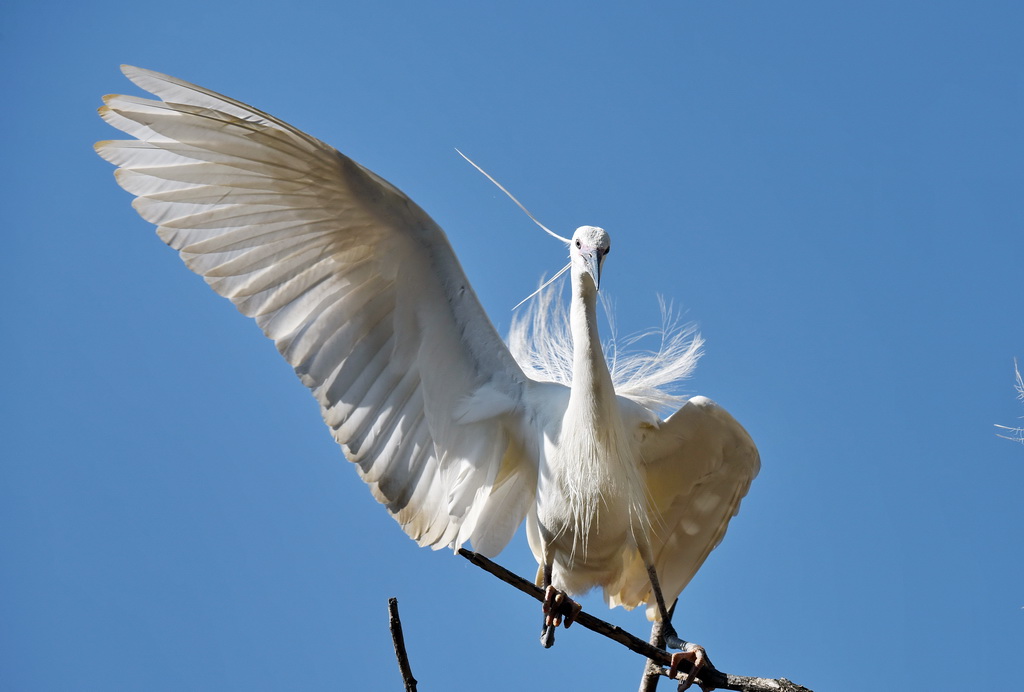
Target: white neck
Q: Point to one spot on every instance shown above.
(603, 471)
(592, 388)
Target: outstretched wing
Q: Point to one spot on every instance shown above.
(360, 291)
(698, 465)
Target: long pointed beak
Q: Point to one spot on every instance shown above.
(592, 260)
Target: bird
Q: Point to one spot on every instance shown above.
(459, 435)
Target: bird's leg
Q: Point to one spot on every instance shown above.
(688, 651)
(547, 633)
(558, 607)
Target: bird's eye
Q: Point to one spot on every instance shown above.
(608, 249)
(578, 244)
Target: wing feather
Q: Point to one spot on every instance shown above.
(698, 465)
(358, 288)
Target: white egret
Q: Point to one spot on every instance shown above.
(364, 297)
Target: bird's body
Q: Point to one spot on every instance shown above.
(590, 501)
(459, 438)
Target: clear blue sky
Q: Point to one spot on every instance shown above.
(832, 190)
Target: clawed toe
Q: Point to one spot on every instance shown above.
(698, 659)
(558, 609)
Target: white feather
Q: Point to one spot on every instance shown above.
(541, 342)
(356, 285)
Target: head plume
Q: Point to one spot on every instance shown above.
(518, 203)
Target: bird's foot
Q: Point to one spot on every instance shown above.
(559, 609)
(698, 659)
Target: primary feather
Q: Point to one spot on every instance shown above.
(457, 436)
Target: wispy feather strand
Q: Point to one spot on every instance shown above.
(540, 341)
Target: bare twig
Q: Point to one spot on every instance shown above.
(708, 678)
(652, 671)
(395, 623)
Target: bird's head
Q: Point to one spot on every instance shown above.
(587, 250)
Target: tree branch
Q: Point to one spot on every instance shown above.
(652, 671)
(398, 639)
(661, 658)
